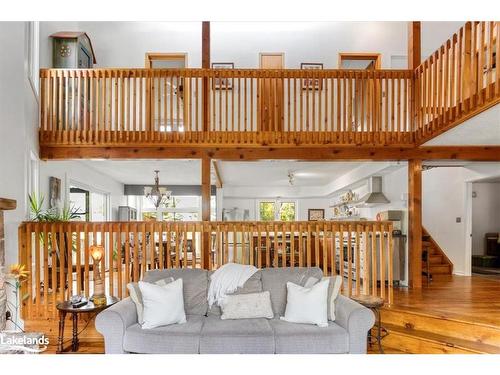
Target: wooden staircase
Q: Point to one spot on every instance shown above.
(438, 261)
(415, 332)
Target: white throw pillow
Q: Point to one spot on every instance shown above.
(136, 295)
(247, 306)
(163, 305)
(307, 305)
(333, 292)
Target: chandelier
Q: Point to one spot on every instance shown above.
(157, 195)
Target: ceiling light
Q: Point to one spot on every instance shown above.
(157, 194)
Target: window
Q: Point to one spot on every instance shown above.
(89, 205)
(287, 211)
(79, 199)
(34, 55)
(178, 208)
(277, 210)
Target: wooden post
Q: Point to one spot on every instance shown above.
(414, 56)
(415, 223)
(205, 208)
(414, 45)
(467, 76)
(205, 64)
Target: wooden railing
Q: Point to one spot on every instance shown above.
(59, 264)
(458, 80)
(239, 107)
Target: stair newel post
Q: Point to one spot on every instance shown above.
(415, 222)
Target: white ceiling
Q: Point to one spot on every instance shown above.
(173, 172)
(275, 173)
(483, 129)
(188, 172)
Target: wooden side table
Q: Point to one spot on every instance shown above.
(66, 307)
(375, 304)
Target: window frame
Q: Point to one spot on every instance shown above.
(276, 202)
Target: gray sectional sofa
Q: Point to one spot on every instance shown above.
(205, 333)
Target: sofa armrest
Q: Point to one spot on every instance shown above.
(356, 319)
(113, 322)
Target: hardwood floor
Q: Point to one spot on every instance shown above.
(454, 314)
(474, 299)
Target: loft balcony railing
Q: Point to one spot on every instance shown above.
(57, 254)
(224, 107)
(458, 80)
(253, 107)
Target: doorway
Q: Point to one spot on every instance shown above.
(363, 61)
(174, 89)
(270, 107)
(485, 227)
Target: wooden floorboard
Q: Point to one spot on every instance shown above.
(473, 299)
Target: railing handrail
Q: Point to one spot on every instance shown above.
(238, 72)
(199, 222)
(58, 258)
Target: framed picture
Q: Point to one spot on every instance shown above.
(222, 83)
(312, 83)
(54, 192)
(315, 214)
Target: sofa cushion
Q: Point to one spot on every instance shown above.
(295, 338)
(172, 339)
(195, 283)
(246, 336)
(275, 279)
(252, 285)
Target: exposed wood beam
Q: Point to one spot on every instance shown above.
(205, 63)
(219, 183)
(470, 153)
(415, 222)
(205, 208)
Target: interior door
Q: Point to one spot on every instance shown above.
(270, 106)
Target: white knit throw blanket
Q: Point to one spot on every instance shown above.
(226, 280)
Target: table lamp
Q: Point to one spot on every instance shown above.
(99, 297)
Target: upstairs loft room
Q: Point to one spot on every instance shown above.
(260, 84)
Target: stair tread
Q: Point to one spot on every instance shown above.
(417, 311)
(443, 340)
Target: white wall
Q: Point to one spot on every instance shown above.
(435, 34)
(444, 200)
(76, 172)
(443, 191)
(241, 42)
(18, 136)
(124, 44)
(485, 214)
(303, 204)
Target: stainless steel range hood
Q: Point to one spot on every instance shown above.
(375, 195)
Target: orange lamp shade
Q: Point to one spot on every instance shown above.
(96, 252)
